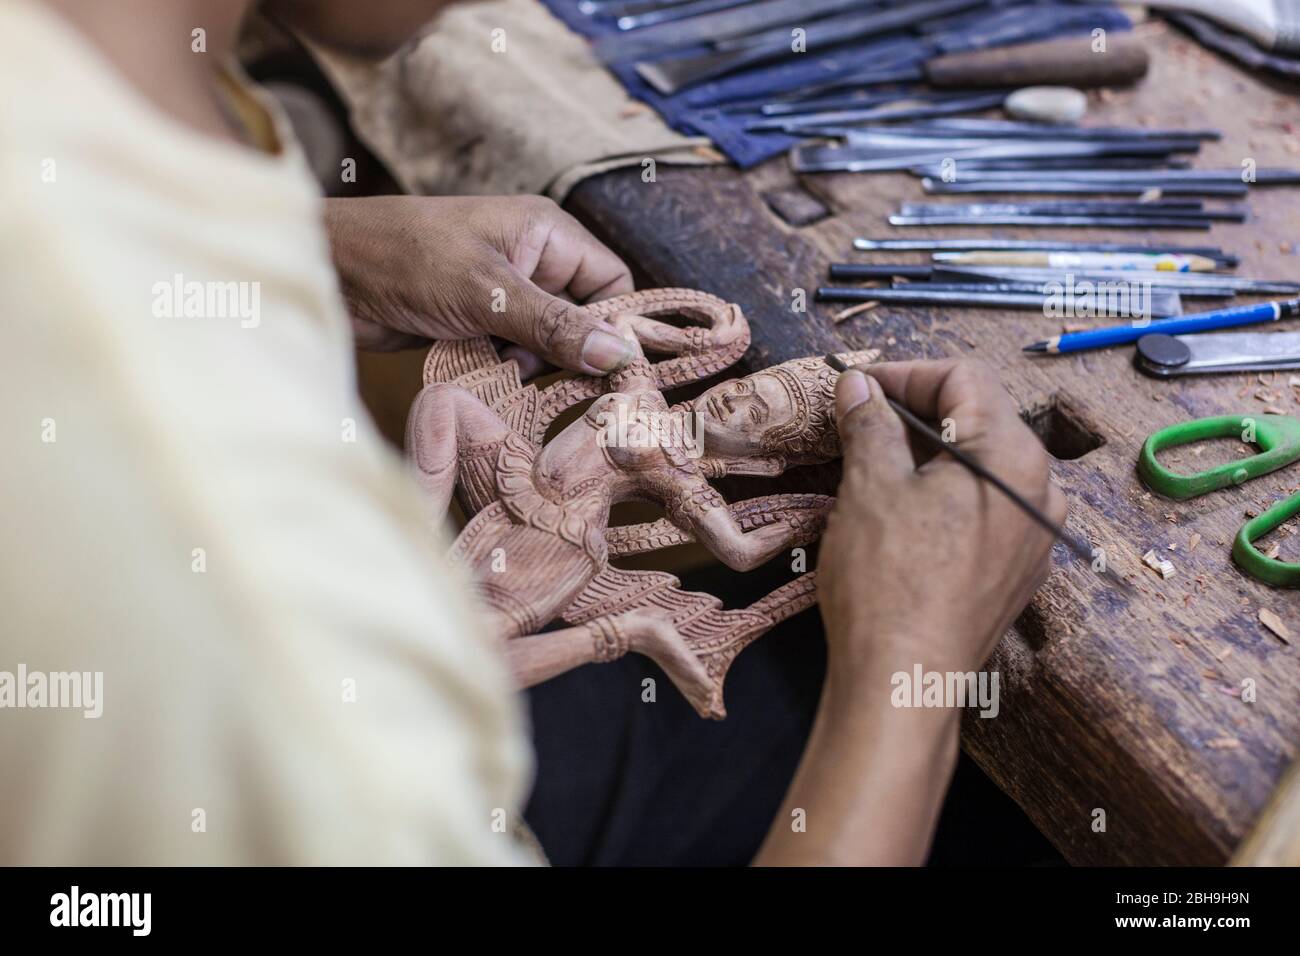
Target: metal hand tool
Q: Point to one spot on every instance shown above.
(1152, 177)
(1179, 280)
(807, 159)
(1160, 208)
(899, 109)
(1081, 548)
(1019, 130)
(1166, 356)
(669, 32)
(1039, 280)
(1278, 440)
(1027, 186)
(667, 13)
(1134, 304)
(973, 168)
(1110, 222)
(670, 75)
(863, 244)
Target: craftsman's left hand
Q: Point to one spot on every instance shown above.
(416, 268)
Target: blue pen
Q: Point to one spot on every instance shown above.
(1183, 325)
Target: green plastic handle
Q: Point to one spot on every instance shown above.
(1249, 558)
(1277, 436)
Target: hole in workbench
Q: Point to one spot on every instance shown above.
(1062, 430)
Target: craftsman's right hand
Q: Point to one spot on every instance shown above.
(922, 562)
(415, 268)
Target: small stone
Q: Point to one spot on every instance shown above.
(1047, 104)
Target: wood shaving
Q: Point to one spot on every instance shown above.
(1274, 623)
(1223, 743)
(1161, 566)
(1223, 654)
(853, 310)
(1193, 541)
(1274, 551)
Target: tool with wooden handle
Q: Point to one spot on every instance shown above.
(1069, 61)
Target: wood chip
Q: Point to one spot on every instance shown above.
(1223, 743)
(853, 310)
(709, 153)
(1274, 623)
(1193, 541)
(1223, 654)
(1274, 551)
(1161, 566)
(633, 109)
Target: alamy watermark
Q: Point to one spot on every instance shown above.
(62, 690)
(181, 299)
(922, 688)
(1086, 299)
(627, 427)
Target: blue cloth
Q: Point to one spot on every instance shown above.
(710, 109)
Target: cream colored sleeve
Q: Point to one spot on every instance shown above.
(199, 514)
(287, 675)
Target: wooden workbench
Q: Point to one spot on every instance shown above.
(1130, 706)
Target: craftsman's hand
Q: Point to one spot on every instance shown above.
(921, 564)
(930, 564)
(417, 268)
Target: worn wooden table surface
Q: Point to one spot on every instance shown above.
(1128, 706)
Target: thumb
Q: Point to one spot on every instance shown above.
(564, 334)
(873, 437)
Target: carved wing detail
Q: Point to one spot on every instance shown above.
(806, 513)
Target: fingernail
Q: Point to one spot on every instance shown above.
(851, 392)
(606, 350)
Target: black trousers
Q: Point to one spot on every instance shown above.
(623, 782)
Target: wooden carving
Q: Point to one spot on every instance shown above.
(538, 542)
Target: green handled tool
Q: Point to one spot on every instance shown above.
(1278, 440)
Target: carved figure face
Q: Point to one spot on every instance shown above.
(736, 415)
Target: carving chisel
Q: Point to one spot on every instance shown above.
(938, 276)
(899, 109)
(1151, 177)
(1160, 208)
(1081, 548)
(1089, 222)
(668, 12)
(1177, 280)
(1036, 245)
(813, 159)
(670, 75)
(1120, 303)
(673, 31)
(1019, 130)
(964, 186)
